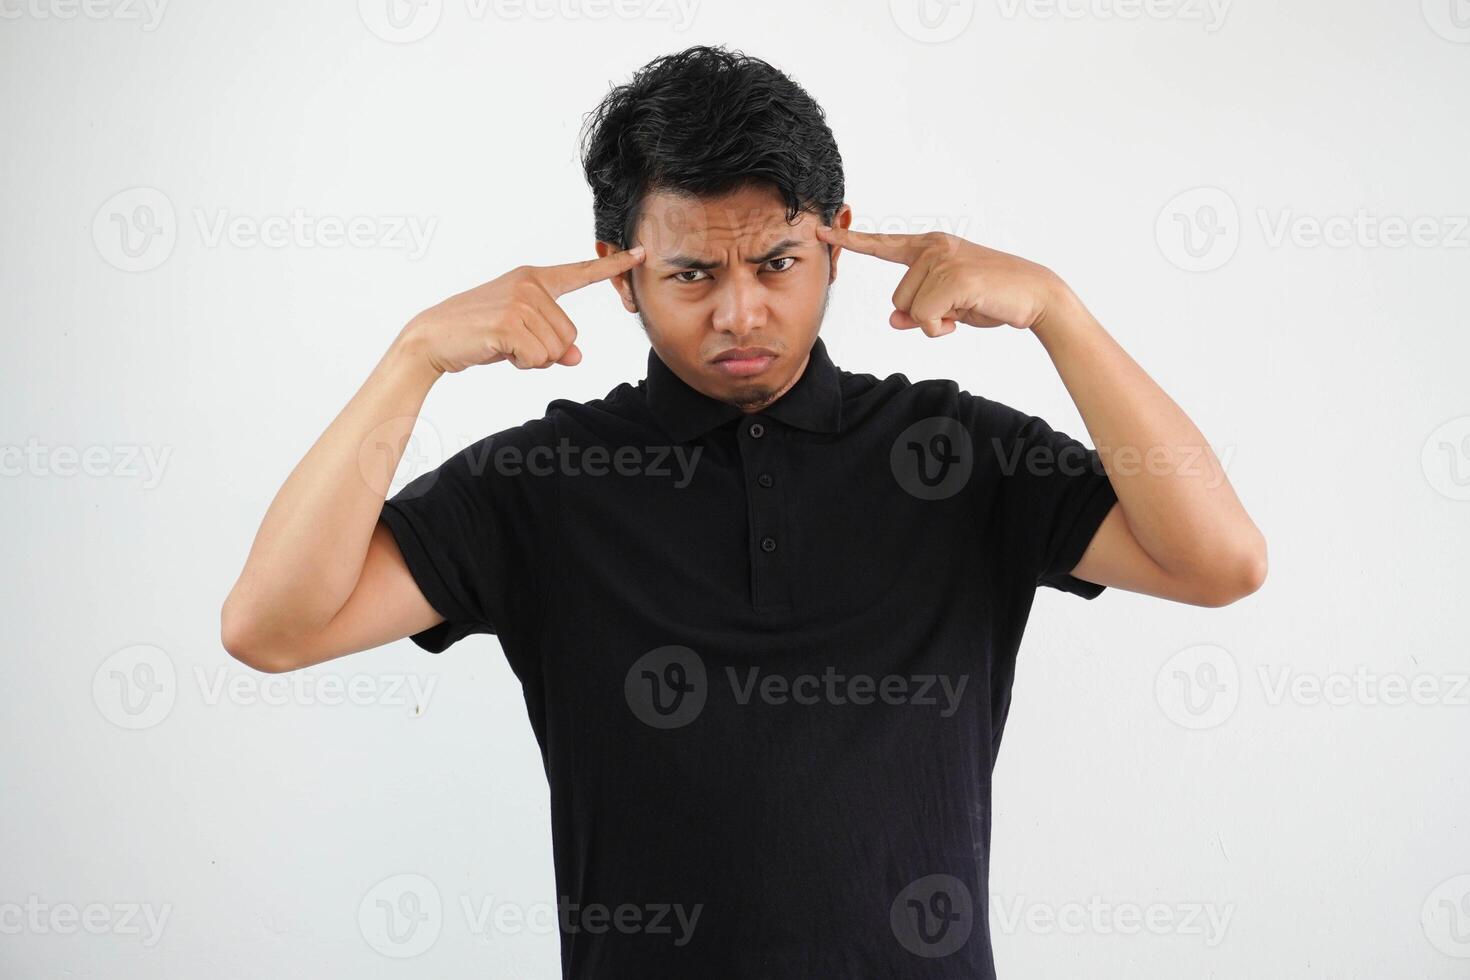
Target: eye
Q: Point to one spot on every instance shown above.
(677, 276)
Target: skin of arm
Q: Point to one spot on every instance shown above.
(324, 577)
(1178, 530)
(320, 545)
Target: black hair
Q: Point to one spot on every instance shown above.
(706, 121)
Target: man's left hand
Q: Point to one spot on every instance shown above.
(951, 280)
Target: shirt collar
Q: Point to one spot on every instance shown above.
(814, 403)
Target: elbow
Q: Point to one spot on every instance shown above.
(1237, 577)
(242, 640)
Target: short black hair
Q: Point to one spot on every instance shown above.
(707, 121)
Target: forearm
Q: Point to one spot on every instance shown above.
(1171, 486)
(309, 551)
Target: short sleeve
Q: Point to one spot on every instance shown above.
(1047, 493)
(473, 535)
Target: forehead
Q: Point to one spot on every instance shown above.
(672, 222)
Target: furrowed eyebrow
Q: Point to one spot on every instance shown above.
(690, 262)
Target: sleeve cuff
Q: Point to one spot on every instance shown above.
(1077, 538)
(458, 622)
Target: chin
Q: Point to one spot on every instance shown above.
(753, 397)
(750, 392)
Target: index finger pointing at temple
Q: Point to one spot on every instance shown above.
(561, 279)
(893, 247)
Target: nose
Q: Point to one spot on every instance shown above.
(740, 306)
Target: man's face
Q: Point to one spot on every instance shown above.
(730, 275)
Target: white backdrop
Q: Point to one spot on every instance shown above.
(216, 216)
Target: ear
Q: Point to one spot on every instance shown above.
(623, 281)
(842, 219)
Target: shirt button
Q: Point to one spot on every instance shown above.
(757, 430)
(765, 480)
(768, 543)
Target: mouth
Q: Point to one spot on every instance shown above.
(742, 362)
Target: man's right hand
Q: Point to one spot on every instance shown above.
(513, 318)
(324, 576)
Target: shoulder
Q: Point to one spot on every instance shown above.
(625, 405)
(897, 401)
(567, 418)
(866, 395)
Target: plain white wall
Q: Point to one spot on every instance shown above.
(1165, 808)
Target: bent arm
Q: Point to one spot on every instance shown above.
(1178, 530)
(323, 579)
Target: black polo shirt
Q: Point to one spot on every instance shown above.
(768, 658)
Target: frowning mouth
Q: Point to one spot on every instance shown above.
(744, 361)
